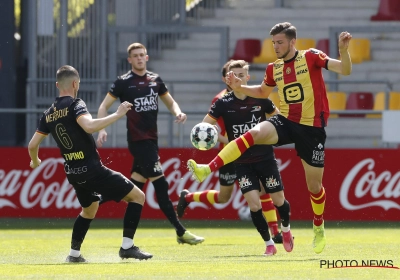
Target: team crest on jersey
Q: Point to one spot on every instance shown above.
(288, 70)
(256, 109)
(152, 84)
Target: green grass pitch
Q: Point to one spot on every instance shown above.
(36, 249)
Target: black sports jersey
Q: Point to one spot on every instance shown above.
(240, 116)
(142, 92)
(77, 147)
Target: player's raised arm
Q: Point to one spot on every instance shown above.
(173, 107)
(101, 113)
(344, 65)
(91, 125)
(259, 91)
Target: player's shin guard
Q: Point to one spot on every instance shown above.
(232, 151)
(81, 227)
(161, 189)
(131, 219)
(318, 206)
(284, 213)
(261, 224)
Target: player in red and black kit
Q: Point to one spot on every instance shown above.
(258, 164)
(71, 125)
(142, 88)
(227, 177)
(304, 113)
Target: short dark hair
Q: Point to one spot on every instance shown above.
(284, 27)
(238, 64)
(224, 69)
(135, 46)
(66, 72)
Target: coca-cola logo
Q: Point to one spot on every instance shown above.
(371, 184)
(37, 187)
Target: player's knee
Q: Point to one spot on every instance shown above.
(90, 212)
(254, 207)
(136, 196)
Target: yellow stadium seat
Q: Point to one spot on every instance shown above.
(267, 54)
(337, 101)
(380, 103)
(274, 97)
(359, 49)
(305, 43)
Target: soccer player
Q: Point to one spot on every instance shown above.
(71, 125)
(142, 88)
(258, 163)
(227, 177)
(304, 113)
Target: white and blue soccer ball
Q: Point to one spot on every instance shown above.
(204, 136)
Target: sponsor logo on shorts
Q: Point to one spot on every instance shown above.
(271, 182)
(318, 156)
(244, 182)
(157, 167)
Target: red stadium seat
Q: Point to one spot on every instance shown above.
(246, 49)
(388, 10)
(359, 101)
(323, 45)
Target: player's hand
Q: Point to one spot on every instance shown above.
(101, 138)
(123, 108)
(35, 163)
(181, 118)
(344, 40)
(232, 81)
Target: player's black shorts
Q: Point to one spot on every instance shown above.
(107, 182)
(227, 174)
(251, 174)
(309, 141)
(146, 160)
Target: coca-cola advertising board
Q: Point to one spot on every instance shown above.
(361, 184)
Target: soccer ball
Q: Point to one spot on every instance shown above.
(204, 136)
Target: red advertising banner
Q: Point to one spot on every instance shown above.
(360, 185)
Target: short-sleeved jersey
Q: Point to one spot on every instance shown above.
(301, 87)
(142, 92)
(77, 147)
(220, 121)
(240, 116)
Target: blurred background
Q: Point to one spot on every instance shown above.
(188, 41)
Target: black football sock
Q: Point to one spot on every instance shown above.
(81, 226)
(131, 219)
(261, 224)
(284, 213)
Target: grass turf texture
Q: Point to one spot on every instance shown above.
(37, 248)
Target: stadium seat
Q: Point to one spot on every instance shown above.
(267, 54)
(246, 49)
(274, 97)
(337, 101)
(323, 45)
(359, 101)
(388, 10)
(380, 103)
(359, 49)
(305, 43)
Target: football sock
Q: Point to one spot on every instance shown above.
(318, 206)
(284, 213)
(269, 242)
(137, 183)
(161, 190)
(207, 197)
(285, 229)
(232, 151)
(131, 219)
(81, 226)
(269, 211)
(74, 253)
(127, 243)
(261, 224)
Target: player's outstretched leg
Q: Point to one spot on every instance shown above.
(189, 238)
(319, 238)
(200, 171)
(134, 253)
(182, 204)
